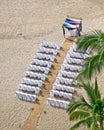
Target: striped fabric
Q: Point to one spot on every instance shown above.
(72, 24)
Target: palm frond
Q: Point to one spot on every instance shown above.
(86, 104)
(99, 116)
(94, 40)
(82, 122)
(90, 92)
(96, 91)
(85, 42)
(82, 103)
(94, 126)
(93, 65)
(79, 114)
(100, 59)
(74, 106)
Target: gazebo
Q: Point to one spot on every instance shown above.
(73, 25)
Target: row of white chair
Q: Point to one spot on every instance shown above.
(61, 87)
(44, 57)
(57, 103)
(29, 81)
(48, 51)
(25, 96)
(67, 74)
(61, 80)
(70, 60)
(35, 75)
(43, 63)
(71, 67)
(50, 45)
(28, 88)
(77, 55)
(61, 94)
(74, 48)
(39, 69)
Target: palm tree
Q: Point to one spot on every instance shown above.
(95, 63)
(91, 112)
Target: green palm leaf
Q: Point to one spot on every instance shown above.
(79, 114)
(89, 113)
(93, 40)
(94, 126)
(82, 122)
(93, 65)
(78, 104)
(90, 92)
(86, 104)
(97, 92)
(74, 106)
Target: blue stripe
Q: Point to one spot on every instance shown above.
(68, 21)
(68, 26)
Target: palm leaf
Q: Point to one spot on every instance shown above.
(93, 65)
(74, 106)
(79, 114)
(82, 122)
(101, 59)
(77, 104)
(86, 104)
(100, 116)
(94, 126)
(96, 90)
(93, 40)
(90, 91)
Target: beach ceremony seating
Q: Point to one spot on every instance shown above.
(44, 57)
(50, 45)
(25, 96)
(57, 103)
(29, 88)
(48, 51)
(32, 82)
(74, 49)
(77, 55)
(37, 71)
(43, 63)
(67, 74)
(61, 80)
(35, 75)
(70, 67)
(61, 94)
(64, 85)
(61, 87)
(70, 60)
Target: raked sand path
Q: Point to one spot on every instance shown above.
(33, 118)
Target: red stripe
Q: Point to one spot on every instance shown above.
(74, 23)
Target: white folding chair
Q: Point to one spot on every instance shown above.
(52, 93)
(49, 101)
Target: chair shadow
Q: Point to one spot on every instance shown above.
(47, 80)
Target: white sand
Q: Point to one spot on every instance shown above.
(36, 21)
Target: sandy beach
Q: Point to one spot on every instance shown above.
(23, 25)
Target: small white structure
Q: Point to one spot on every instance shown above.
(73, 25)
